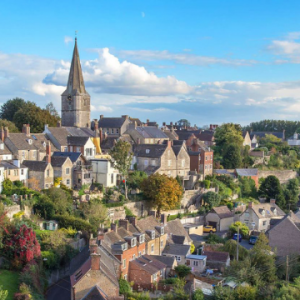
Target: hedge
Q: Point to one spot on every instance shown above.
(70, 221)
(114, 204)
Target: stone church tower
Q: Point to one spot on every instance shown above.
(75, 100)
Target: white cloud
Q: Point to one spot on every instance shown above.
(101, 108)
(143, 14)
(184, 58)
(68, 39)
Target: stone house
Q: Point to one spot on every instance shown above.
(284, 236)
(63, 167)
(217, 259)
(145, 271)
(180, 252)
(40, 173)
(155, 235)
(170, 262)
(247, 140)
(123, 244)
(220, 218)
(182, 159)
(197, 263)
(114, 126)
(146, 134)
(94, 268)
(14, 170)
(103, 172)
(5, 154)
(25, 145)
(258, 216)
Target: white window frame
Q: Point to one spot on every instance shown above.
(169, 162)
(155, 277)
(152, 248)
(124, 263)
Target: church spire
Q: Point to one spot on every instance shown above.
(75, 81)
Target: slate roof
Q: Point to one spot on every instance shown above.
(176, 227)
(194, 153)
(108, 142)
(172, 135)
(5, 150)
(216, 256)
(206, 136)
(148, 223)
(269, 210)
(262, 134)
(247, 172)
(138, 121)
(95, 294)
(155, 150)
(111, 122)
(167, 260)
(72, 155)
(184, 135)
(79, 259)
(34, 165)
(223, 212)
(175, 249)
(178, 239)
(36, 141)
(77, 140)
(149, 264)
(8, 164)
(151, 132)
(58, 161)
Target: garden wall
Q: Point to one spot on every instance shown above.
(283, 176)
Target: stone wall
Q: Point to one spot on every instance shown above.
(11, 210)
(283, 176)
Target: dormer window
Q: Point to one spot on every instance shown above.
(275, 212)
(2, 146)
(44, 144)
(124, 246)
(133, 242)
(29, 141)
(263, 212)
(152, 235)
(142, 239)
(162, 230)
(147, 151)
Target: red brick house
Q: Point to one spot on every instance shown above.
(125, 244)
(145, 271)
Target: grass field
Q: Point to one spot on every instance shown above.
(9, 281)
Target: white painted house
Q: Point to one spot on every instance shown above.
(104, 173)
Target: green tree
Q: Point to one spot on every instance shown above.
(61, 200)
(52, 110)
(226, 135)
(182, 271)
(10, 125)
(231, 247)
(121, 159)
(223, 293)
(183, 123)
(248, 187)
(291, 193)
(271, 189)
(178, 292)
(10, 107)
(135, 179)
(211, 199)
(3, 293)
(44, 207)
(239, 226)
(198, 295)
(124, 285)
(7, 186)
(232, 157)
(164, 192)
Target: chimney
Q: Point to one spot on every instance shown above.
(26, 129)
(6, 132)
(114, 227)
(48, 153)
(250, 204)
(125, 117)
(124, 224)
(2, 134)
(147, 121)
(171, 123)
(101, 117)
(135, 124)
(273, 201)
(164, 123)
(132, 221)
(96, 125)
(58, 124)
(210, 127)
(95, 261)
(169, 144)
(152, 213)
(163, 219)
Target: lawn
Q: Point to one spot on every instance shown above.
(10, 281)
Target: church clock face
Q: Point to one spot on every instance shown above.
(69, 100)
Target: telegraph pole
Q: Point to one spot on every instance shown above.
(237, 244)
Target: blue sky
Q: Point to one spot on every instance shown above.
(206, 61)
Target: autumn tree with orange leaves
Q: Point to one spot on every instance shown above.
(164, 192)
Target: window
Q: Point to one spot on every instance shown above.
(162, 230)
(144, 251)
(169, 162)
(205, 167)
(133, 257)
(23, 154)
(47, 185)
(147, 151)
(67, 171)
(124, 263)
(264, 223)
(153, 162)
(34, 154)
(68, 181)
(48, 173)
(146, 162)
(65, 149)
(205, 157)
(133, 242)
(16, 172)
(78, 149)
(152, 235)
(8, 172)
(152, 248)
(112, 130)
(183, 163)
(140, 254)
(161, 244)
(142, 238)
(117, 130)
(22, 171)
(211, 157)
(178, 258)
(112, 178)
(125, 276)
(154, 277)
(195, 263)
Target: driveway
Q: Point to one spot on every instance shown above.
(245, 244)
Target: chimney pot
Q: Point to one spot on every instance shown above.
(272, 201)
(132, 221)
(6, 132)
(250, 204)
(114, 227)
(95, 261)
(101, 117)
(59, 123)
(124, 224)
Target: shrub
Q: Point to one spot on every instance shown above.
(214, 239)
(70, 221)
(114, 204)
(182, 271)
(206, 184)
(18, 215)
(122, 198)
(124, 287)
(128, 212)
(50, 259)
(229, 205)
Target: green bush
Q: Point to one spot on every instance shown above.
(122, 198)
(214, 239)
(128, 212)
(50, 259)
(229, 205)
(113, 204)
(124, 287)
(66, 221)
(206, 183)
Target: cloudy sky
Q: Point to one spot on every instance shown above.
(205, 61)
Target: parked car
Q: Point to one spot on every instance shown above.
(253, 239)
(209, 229)
(235, 237)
